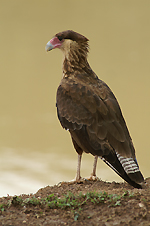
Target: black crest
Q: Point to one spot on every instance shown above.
(74, 36)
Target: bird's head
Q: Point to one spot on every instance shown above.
(68, 40)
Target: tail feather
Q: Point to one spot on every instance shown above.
(127, 168)
(131, 168)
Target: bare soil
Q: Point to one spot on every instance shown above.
(131, 208)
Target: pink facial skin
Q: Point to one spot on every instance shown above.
(55, 42)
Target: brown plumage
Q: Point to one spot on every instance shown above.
(87, 108)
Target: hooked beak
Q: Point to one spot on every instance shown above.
(53, 43)
(49, 46)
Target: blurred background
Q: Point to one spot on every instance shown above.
(34, 150)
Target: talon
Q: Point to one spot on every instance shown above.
(78, 181)
(93, 178)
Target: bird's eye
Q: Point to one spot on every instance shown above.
(60, 38)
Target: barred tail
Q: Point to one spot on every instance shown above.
(131, 168)
(127, 168)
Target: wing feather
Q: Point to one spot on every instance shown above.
(95, 108)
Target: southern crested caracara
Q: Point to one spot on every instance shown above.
(88, 109)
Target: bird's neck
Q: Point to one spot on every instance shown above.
(75, 62)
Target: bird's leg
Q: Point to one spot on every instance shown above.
(78, 176)
(94, 166)
(93, 174)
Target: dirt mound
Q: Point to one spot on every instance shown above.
(87, 203)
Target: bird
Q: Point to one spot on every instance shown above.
(88, 109)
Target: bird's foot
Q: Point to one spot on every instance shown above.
(77, 180)
(74, 181)
(92, 178)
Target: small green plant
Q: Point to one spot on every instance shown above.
(2, 207)
(76, 216)
(69, 200)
